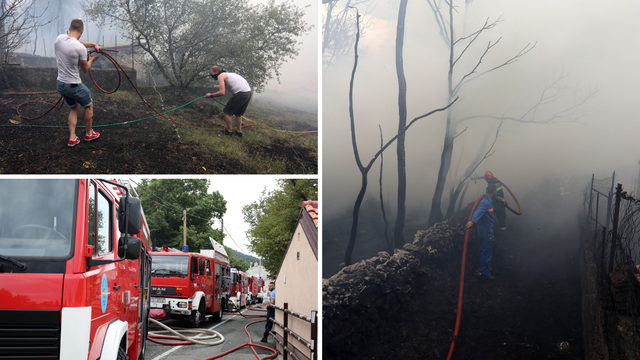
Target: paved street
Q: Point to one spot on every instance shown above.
(231, 327)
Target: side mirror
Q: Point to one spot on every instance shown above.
(201, 265)
(134, 220)
(133, 247)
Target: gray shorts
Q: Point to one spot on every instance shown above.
(238, 103)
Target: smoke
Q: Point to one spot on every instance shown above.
(297, 76)
(61, 12)
(587, 44)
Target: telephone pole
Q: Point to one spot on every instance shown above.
(185, 247)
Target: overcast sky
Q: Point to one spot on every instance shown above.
(238, 191)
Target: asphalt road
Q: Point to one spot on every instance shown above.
(231, 327)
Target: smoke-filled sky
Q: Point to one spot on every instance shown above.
(594, 43)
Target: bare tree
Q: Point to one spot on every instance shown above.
(339, 27)
(398, 230)
(465, 45)
(17, 22)
(480, 157)
(384, 213)
(364, 170)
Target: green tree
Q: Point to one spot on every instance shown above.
(163, 201)
(185, 38)
(273, 218)
(236, 262)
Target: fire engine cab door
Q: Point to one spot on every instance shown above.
(208, 284)
(105, 281)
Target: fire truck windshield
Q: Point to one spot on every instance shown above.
(37, 217)
(170, 265)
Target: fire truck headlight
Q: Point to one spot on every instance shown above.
(182, 304)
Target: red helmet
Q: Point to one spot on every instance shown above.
(488, 175)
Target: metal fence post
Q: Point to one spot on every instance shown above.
(590, 199)
(285, 353)
(595, 224)
(613, 179)
(614, 235)
(602, 261)
(314, 333)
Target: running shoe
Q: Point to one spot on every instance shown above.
(73, 142)
(94, 135)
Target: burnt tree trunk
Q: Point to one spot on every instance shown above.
(398, 232)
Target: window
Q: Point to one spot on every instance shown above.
(100, 222)
(37, 218)
(208, 267)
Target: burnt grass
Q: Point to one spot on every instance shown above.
(533, 305)
(151, 146)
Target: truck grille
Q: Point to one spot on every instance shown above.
(163, 290)
(29, 334)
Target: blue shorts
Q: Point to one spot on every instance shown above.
(75, 95)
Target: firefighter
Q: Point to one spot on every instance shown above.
(483, 216)
(500, 211)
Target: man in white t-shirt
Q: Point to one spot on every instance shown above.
(72, 56)
(238, 103)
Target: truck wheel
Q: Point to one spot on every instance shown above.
(197, 317)
(217, 317)
(122, 354)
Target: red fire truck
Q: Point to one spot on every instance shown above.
(253, 289)
(190, 285)
(238, 289)
(74, 270)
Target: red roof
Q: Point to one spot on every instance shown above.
(312, 208)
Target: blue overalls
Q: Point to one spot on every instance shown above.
(483, 216)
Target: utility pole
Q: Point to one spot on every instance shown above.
(185, 247)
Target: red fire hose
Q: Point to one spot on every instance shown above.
(156, 338)
(113, 61)
(119, 68)
(464, 260)
(514, 199)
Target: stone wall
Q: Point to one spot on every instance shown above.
(31, 78)
(355, 298)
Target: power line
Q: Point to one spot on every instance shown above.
(158, 197)
(231, 237)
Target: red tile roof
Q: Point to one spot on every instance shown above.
(312, 208)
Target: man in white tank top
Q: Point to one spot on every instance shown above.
(239, 101)
(71, 57)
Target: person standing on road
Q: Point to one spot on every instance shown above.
(483, 216)
(238, 103)
(271, 311)
(71, 57)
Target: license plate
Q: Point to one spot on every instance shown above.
(157, 300)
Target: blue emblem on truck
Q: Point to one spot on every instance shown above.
(104, 293)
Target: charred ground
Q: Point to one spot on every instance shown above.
(155, 145)
(533, 306)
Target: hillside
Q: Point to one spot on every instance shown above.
(245, 257)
